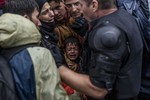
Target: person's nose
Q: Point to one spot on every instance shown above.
(51, 14)
(56, 12)
(72, 50)
(39, 23)
(74, 8)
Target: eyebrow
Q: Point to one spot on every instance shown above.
(57, 7)
(45, 10)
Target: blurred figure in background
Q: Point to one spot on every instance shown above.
(2, 2)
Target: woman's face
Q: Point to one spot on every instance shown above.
(46, 14)
(72, 51)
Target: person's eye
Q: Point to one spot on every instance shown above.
(68, 5)
(76, 48)
(68, 49)
(58, 8)
(77, 3)
(45, 12)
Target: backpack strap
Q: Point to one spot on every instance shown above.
(7, 87)
(8, 53)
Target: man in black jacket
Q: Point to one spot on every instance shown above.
(111, 56)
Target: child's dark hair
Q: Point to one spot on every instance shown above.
(72, 39)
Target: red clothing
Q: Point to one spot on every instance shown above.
(68, 89)
(2, 2)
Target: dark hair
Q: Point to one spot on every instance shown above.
(73, 40)
(20, 7)
(104, 4)
(58, 1)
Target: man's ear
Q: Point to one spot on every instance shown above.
(26, 16)
(94, 5)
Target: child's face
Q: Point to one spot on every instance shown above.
(72, 51)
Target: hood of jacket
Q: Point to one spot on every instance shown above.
(15, 30)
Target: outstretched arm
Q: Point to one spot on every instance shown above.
(81, 83)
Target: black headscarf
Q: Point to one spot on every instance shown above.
(40, 3)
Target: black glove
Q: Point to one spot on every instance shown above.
(58, 55)
(80, 26)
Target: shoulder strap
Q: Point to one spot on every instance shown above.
(6, 81)
(10, 52)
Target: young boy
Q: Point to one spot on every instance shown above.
(72, 48)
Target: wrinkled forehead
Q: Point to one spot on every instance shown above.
(70, 1)
(86, 2)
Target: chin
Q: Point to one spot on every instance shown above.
(60, 19)
(75, 16)
(72, 59)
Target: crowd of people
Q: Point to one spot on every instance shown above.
(75, 50)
